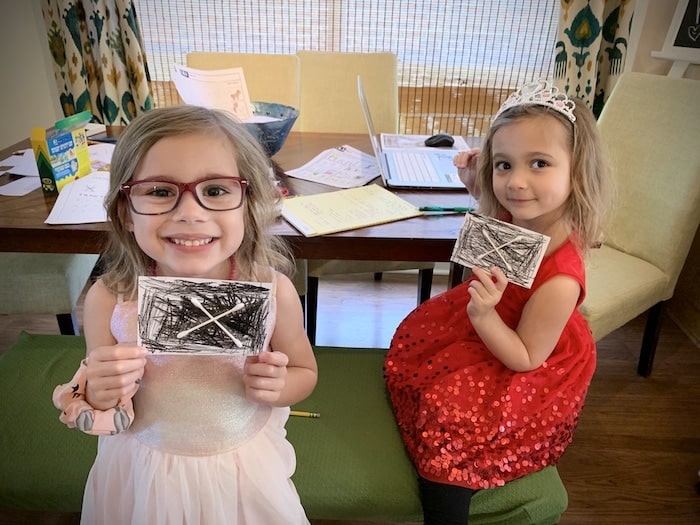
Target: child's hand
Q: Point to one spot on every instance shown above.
(264, 376)
(466, 161)
(114, 373)
(486, 290)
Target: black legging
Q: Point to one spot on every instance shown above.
(444, 504)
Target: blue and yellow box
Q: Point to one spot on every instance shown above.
(62, 154)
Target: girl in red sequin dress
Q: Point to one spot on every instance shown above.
(487, 380)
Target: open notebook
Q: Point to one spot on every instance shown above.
(411, 168)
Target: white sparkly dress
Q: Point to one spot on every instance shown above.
(197, 452)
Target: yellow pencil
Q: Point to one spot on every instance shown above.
(301, 413)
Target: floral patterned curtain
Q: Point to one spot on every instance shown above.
(99, 62)
(591, 48)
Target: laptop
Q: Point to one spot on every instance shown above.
(411, 168)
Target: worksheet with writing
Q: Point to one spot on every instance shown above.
(341, 167)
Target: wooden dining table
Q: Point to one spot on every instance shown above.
(424, 238)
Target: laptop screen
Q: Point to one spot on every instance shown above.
(429, 168)
(373, 137)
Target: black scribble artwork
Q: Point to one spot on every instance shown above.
(202, 316)
(485, 242)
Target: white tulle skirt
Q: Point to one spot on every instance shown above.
(133, 484)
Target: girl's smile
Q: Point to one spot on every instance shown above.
(191, 242)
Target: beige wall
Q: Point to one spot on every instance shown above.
(655, 17)
(27, 89)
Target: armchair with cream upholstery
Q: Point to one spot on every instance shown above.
(651, 127)
(330, 104)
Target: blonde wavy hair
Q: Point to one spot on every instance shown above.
(124, 259)
(592, 187)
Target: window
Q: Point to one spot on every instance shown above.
(457, 59)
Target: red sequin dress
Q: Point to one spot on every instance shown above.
(465, 418)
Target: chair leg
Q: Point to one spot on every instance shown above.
(302, 300)
(456, 276)
(311, 307)
(68, 323)
(650, 339)
(425, 284)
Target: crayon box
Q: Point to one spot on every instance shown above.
(62, 154)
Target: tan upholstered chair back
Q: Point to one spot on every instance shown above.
(329, 101)
(269, 77)
(651, 126)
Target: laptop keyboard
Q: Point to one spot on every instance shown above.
(414, 167)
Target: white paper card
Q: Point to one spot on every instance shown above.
(484, 242)
(189, 316)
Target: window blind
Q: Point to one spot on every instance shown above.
(458, 60)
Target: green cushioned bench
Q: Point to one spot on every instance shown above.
(350, 462)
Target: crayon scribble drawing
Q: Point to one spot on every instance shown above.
(484, 242)
(202, 316)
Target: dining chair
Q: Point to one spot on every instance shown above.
(329, 100)
(650, 126)
(45, 283)
(269, 77)
(330, 104)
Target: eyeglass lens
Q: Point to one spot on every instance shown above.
(156, 197)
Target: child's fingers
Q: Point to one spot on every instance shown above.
(499, 278)
(266, 364)
(461, 160)
(491, 280)
(263, 381)
(483, 274)
(464, 159)
(273, 358)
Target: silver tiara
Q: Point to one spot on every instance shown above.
(541, 93)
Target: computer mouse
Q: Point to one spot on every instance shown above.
(440, 140)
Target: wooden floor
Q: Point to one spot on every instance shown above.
(636, 454)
